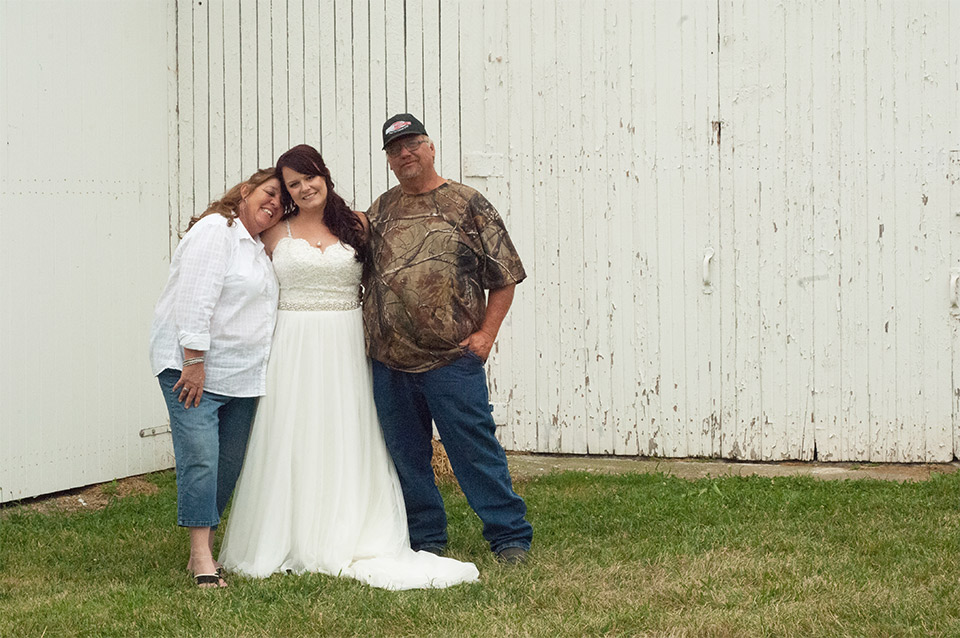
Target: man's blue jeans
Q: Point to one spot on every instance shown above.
(209, 442)
(455, 397)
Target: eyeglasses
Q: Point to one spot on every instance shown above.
(411, 144)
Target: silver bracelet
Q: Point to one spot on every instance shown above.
(194, 361)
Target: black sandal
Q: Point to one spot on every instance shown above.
(208, 579)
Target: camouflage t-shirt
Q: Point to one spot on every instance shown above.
(431, 257)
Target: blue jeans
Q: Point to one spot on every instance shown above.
(455, 398)
(209, 442)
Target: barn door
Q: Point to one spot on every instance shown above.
(836, 230)
(594, 127)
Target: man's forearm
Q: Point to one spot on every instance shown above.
(498, 304)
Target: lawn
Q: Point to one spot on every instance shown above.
(621, 555)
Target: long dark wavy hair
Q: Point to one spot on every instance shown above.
(338, 217)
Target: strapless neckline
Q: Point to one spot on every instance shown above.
(313, 278)
(323, 251)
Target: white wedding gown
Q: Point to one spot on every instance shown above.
(318, 491)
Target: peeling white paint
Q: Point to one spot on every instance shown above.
(811, 145)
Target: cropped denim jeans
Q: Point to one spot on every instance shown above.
(455, 397)
(209, 442)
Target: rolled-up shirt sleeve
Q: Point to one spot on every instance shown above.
(203, 267)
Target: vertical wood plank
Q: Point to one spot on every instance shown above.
(216, 128)
(521, 397)
(939, 97)
(343, 145)
(364, 151)
(880, 194)
(725, 257)
(232, 105)
(546, 261)
(647, 265)
(494, 126)
(590, 292)
(688, 253)
(598, 212)
(249, 90)
(413, 56)
(294, 104)
(699, 171)
(905, 202)
(430, 66)
(279, 115)
(746, 218)
(450, 78)
(952, 112)
(909, 220)
(472, 94)
(173, 124)
(201, 102)
(625, 390)
(379, 172)
(264, 85)
(673, 386)
(572, 312)
(328, 87)
(394, 39)
(186, 116)
(799, 229)
(854, 231)
(739, 97)
(773, 423)
(312, 80)
(826, 288)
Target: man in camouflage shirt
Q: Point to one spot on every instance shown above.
(435, 247)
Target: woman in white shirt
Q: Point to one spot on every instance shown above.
(209, 345)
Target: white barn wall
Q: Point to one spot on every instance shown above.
(624, 143)
(84, 178)
(810, 145)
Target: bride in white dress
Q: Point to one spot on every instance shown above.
(318, 491)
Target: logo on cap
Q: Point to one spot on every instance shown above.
(397, 126)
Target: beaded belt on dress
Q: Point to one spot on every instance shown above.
(320, 304)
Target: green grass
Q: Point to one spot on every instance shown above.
(630, 555)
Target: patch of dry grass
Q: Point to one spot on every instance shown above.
(442, 470)
(89, 498)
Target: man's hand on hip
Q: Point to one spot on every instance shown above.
(479, 343)
(498, 303)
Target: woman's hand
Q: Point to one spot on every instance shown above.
(190, 385)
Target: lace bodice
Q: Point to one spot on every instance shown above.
(314, 279)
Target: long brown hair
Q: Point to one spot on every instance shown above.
(228, 203)
(337, 216)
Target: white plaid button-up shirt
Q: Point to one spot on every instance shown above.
(221, 297)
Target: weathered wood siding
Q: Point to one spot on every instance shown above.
(735, 214)
(739, 217)
(838, 230)
(84, 176)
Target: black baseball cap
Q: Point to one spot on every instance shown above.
(401, 125)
